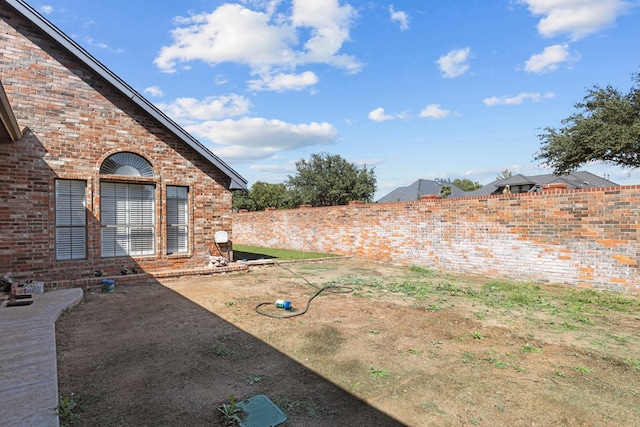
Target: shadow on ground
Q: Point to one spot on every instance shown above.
(169, 361)
(249, 256)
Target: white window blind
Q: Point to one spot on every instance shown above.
(71, 219)
(177, 219)
(128, 219)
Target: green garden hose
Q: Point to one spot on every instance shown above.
(337, 289)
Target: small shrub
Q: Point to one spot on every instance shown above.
(220, 350)
(528, 348)
(634, 363)
(467, 357)
(230, 413)
(252, 379)
(378, 372)
(67, 411)
(581, 369)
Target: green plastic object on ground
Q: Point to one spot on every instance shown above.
(260, 411)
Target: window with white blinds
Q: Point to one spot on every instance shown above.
(71, 219)
(177, 219)
(127, 214)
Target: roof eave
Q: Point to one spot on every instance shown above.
(10, 127)
(72, 47)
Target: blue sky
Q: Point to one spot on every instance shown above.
(415, 89)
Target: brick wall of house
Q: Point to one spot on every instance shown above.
(72, 120)
(586, 238)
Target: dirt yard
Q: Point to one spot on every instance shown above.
(402, 347)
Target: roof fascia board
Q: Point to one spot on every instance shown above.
(7, 117)
(237, 181)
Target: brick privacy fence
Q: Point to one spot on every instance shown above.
(586, 238)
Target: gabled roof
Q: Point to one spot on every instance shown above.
(420, 188)
(517, 179)
(237, 181)
(574, 180)
(9, 129)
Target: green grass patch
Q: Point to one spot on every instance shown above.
(245, 252)
(421, 271)
(589, 300)
(506, 294)
(378, 372)
(528, 348)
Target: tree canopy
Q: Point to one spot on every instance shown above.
(445, 191)
(323, 180)
(605, 128)
(329, 180)
(505, 174)
(263, 195)
(466, 184)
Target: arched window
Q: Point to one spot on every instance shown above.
(127, 210)
(126, 164)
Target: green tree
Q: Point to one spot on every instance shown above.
(466, 184)
(605, 128)
(329, 180)
(445, 191)
(242, 200)
(264, 195)
(505, 174)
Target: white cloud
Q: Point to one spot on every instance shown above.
(154, 91)
(220, 79)
(94, 43)
(549, 59)
(248, 139)
(46, 9)
(189, 110)
(282, 82)
(400, 17)
(279, 169)
(329, 25)
(518, 99)
(433, 111)
(267, 41)
(231, 33)
(577, 18)
(378, 115)
(101, 45)
(454, 63)
(367, 162)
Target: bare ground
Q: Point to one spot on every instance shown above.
(171, 353)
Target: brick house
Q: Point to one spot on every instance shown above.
(93, 178)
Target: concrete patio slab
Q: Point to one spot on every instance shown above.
(29, 379)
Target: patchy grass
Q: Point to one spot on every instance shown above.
(576, 307)
(244, 252)
(422, 346)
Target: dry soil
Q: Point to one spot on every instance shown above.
(381, 353)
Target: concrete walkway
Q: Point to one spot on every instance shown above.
(28, 367)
